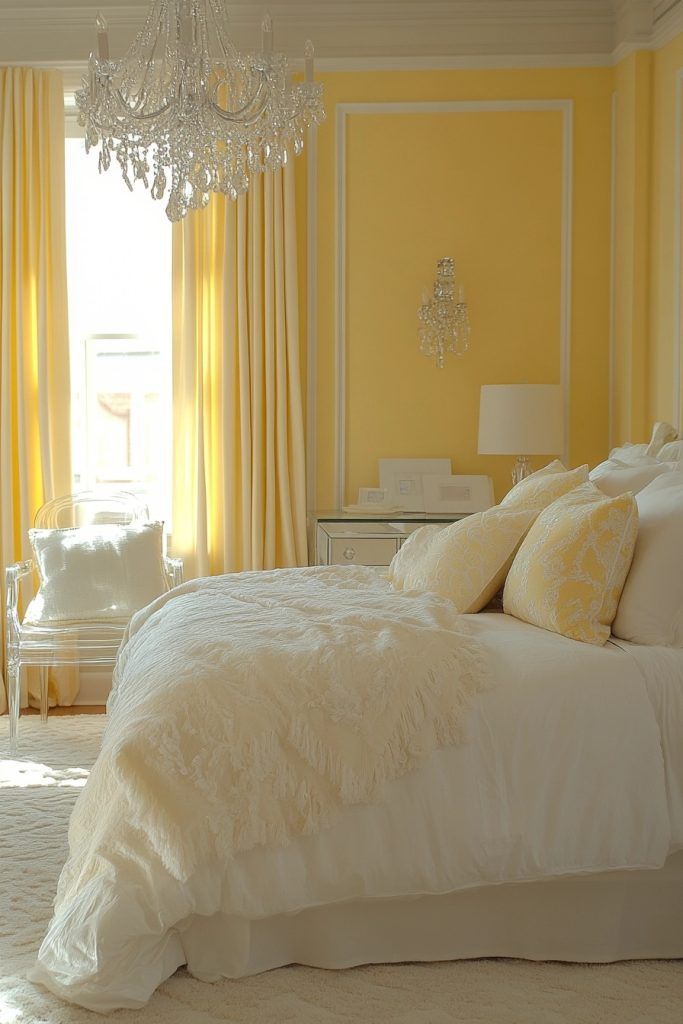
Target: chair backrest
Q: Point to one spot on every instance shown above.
(86, 508)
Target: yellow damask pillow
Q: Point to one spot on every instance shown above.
(544, 486)
(569, 572)
(467, 561)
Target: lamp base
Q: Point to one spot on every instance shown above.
(521, 469)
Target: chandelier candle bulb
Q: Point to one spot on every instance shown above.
(102, 38)
(309, 54)
(267, 34)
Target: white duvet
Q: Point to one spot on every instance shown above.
(570, 765)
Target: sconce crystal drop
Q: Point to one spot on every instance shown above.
(444, 321)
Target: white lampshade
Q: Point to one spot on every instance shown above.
(521, 419)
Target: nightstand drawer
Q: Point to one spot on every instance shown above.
(362, 550)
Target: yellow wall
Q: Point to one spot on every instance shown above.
(486, 188)
(647, 293)
(665, 183)
(633, 110)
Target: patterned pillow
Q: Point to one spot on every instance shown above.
(467, 561)
(544, 487)
(569, 572)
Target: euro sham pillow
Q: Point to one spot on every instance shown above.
(543, 487)
(467, 562)
(96, 573)
(651, 606)
(568, 574)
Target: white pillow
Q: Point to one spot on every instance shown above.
(96, 573)
(614, 477)
(661, 434)
(671, 452)
(651, 606)
(629, 453)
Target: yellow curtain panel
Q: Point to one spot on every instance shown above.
(34, 343)
(239, 478)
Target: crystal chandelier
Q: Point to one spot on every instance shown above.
(444, 323)
(186, 113)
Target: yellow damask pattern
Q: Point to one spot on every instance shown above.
(569, 572)
(544, 487)
(466, 562)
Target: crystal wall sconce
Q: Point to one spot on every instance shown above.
(444, 322)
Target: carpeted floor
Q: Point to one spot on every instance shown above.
(36, 795)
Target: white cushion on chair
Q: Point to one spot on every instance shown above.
(96, 573)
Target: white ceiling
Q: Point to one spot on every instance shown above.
(380, 32)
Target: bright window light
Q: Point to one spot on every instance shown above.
(119, 279)
(29, 774)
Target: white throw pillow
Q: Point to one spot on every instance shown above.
(651, 606)
(614, 477)
(96, 573)
(467, 561)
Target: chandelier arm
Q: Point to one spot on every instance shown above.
(133, 112)
(219, 14)
(245, 115)
(154, 16)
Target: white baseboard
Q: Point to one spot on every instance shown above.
(95, 685)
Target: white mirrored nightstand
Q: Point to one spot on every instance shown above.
(345, 538)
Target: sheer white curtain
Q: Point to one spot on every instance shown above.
(239, 478)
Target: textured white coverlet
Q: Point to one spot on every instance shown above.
(565, 770)
(249, 709)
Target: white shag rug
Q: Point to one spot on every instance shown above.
(37, 792)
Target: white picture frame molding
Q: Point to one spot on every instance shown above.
(677, 339)
(346, 110)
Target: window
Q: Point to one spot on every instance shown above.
(119, 278)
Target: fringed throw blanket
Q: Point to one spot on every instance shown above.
(247, 709)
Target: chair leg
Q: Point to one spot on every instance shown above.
(43, 693)
(14, 697)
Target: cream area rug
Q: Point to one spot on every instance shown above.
(37, 792)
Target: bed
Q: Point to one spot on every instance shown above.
(549, 827)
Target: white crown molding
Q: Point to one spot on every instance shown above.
(371, 29)
(375, 34)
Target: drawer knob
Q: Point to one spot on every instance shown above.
(349, 554)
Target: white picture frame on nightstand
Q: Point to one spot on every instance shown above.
(402, 478)
(449, 495)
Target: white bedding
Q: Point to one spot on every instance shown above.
(571, 765)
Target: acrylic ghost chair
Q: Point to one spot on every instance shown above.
(88, 643)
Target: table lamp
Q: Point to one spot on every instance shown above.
(521, 420)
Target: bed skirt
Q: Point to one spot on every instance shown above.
(620, 915)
